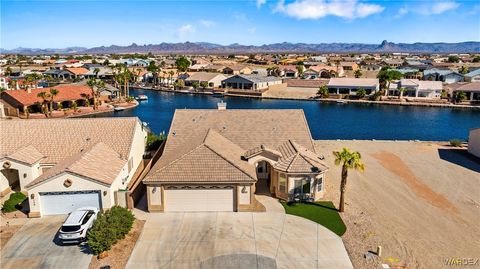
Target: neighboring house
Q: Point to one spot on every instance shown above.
(28, 101)
(214, 68)
(416, 64)
(197, 67)
(260, 71)
(417, 88)
(471, 90)
(135, 62)
(78, 72)
(4, 83)
(392, 62)
(474, 142)
(410, 73)
(288, 71)
(88, 162)
(213, 79)
(352, 85)
(215, 160)
(318, 59)
(59, 74)
(349, 66)
(250, 82)
(445, 75)
(237, 70)
(473, 76)
(372, 67)
(323, 71)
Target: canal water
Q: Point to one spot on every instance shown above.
(326, 120)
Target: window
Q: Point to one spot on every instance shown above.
(319, 183)
(68, 229)
(302, 186)
(282, 183)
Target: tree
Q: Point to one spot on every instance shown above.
(96, 71)
(400, 92)
(106, 62)
(476, 59)
(231, 56)
(95, 85)
(348, 160)
(204, 84)
(44, 97)
(179, 84)
(463, 70)
(182, 64)
(300, 70)
(323, 91)
(453, 59)
(8, 71)
(53, 93)
(153, 68)
(386, 76)
(195, 85)
(459, 96)
(361, 93)
(358, 73)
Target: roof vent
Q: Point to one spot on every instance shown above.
(222, 106)
(174, 133)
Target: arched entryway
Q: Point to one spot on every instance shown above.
(264, 177)
(12, 177)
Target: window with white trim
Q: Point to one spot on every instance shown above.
(319, 183)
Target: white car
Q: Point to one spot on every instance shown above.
(77, 224)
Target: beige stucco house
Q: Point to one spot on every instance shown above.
(217, 160)
(64, 164)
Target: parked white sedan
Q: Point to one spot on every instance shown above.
(77, 224)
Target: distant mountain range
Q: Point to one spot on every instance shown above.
(205, 47)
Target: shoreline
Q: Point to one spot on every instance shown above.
(326, 100)
(104, 111)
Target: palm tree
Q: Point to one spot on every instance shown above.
(44, 97)
(170, 76)
(53, 93)
(93, 84)
(400, 92)
(357, 73)
(348, 160)
(96, 71)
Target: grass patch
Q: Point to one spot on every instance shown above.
(323, 213)
(13, 202)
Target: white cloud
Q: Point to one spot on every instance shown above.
(402, 12)
(438, 8)
(185, 30)
(316, 9)
(207, 23)
(261, 3)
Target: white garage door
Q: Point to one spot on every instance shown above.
(55, 203)
(199, 200)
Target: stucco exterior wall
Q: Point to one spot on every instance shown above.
(244, 196)
(138, 148)
(26, 173)
(474, 142)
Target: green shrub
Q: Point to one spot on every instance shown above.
(108, 228)
(13, 201)
(456, 143)
(154, 141)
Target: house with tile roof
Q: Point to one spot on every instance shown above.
(444, 75)
(473, 76)
(352, 85)
(215, 160)
(65, 164)
(250, 82)
(416, 88)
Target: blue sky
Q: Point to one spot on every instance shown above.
(58, 24)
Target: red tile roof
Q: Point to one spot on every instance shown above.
(77, 70)
(65, 92)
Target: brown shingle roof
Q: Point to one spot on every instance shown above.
(98, 163)
(298, 159)
(58, 139)
(215, 160)
(28, 154)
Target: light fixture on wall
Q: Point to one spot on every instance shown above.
(244, 189)
(154, 189)
(104, 193)
(24, 175)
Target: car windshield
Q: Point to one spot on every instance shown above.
(73, 228)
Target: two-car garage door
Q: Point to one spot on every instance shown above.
(56, 203)
(195, 200)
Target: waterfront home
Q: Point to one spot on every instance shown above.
(323, 71)
(27, 101)
(473, 76)
(352, 85)
(471, 90)
(59, 74)
(445, 75)
(237, 70)
(474, 142)
(64, 164)
(78, 72)
(250, 82)
(215, 160)
(289, 71)
(212, 79)
(416, 88)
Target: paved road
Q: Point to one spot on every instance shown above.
(236, 240)
(35, 246)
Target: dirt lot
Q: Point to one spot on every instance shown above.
(292, 92)
(420, 201)
(120, 253)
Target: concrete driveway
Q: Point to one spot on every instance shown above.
(35, 245)
(236, 240)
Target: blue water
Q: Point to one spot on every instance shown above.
(326, 120)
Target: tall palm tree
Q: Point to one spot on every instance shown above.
(53, 93)
(44, 97)
(93, 85)
(96, 71)
(170, 76)
(348, 160)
